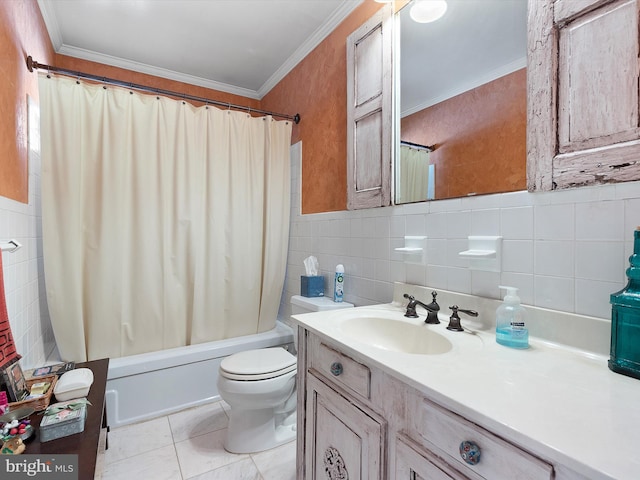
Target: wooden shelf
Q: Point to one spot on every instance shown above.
(86, 443)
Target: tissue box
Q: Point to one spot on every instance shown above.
(312, 286)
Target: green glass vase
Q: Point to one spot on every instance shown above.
(625, 319)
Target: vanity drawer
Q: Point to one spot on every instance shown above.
(339, 368)
(498, 458)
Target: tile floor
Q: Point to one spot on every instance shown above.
(188, 445)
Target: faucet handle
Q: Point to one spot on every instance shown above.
(454, 320)
(411, 307)
(432, 315)
(471, 313)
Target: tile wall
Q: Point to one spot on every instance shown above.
(565, 250)
(24, 268)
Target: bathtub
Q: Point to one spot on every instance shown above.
(149, 385)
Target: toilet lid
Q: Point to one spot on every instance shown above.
(258, 364)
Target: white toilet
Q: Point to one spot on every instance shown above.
(260, 387)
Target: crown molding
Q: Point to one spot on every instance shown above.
(155, 71)
(51, 22)
(307, 47)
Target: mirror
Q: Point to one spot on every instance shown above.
(461, 111)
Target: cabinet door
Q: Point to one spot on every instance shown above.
(343, 441)
(415, 463)
(583, 119)
(369, 116)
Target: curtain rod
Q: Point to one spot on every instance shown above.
(32, 64)
(428, 148)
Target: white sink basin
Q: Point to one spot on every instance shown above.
(395, 335)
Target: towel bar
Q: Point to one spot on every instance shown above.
(10, 245)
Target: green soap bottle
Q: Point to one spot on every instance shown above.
(625, 319)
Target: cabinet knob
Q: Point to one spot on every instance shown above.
(336, 368)
(470, 452)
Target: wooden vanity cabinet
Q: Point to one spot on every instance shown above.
(344, 437)
(358, 422)
(413, 462)
(345, 440)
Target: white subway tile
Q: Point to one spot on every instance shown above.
(556, 293)
(416, 274)
(484, 284)
(555, 258)
(631, 217)
(397, 272)
(600, 261)
(415, 225)
(436, 251)
(397, 225)
(437, 276)
(459, 224)
(485, 222)
(437, 225)
(592, 297)
(600, 220)
(517, 256)
(516, 223)
(382, 270)
(459, 279)
(454, 247)
(554, 222)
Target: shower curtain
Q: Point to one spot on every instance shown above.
(414, 175)
(164, 224)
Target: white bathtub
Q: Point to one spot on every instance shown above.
(149, 385)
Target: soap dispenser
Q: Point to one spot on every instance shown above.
(511, 330)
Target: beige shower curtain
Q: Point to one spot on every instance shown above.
(164, 224)
(414, 175)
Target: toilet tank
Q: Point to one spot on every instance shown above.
(300, 304)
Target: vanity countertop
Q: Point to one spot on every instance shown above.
(560, 403)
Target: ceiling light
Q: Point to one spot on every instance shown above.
(426, 11)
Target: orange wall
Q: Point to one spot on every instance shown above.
(480, 138)
(22, 33)
(317, 89)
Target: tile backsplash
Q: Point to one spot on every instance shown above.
(565, 250)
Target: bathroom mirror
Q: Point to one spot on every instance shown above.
(463, 94)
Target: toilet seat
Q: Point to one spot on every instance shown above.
(258, 364)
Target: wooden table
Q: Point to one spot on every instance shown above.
(84, 444)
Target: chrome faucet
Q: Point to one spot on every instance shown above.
(454, 320)
(432, 309)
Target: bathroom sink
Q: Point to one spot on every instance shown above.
(396, 335)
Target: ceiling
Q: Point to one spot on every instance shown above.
(238, 46)
(246, 47)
